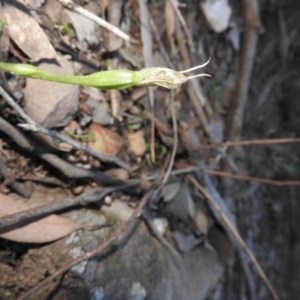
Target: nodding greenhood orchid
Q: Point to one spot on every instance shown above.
(109, 80)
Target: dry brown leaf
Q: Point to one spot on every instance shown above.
(45, 230)
(136, 143)
(105, 141)
(21, 26)
(170, 23)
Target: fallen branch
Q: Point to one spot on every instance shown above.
(26, 216)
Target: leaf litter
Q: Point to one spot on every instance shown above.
(124, 118)
(45, 230)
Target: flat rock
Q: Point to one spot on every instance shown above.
(49, 103)
(144, 269)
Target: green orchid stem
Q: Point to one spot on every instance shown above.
(103, 80)
(108, 80)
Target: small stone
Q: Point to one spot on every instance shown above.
(217, 14)
(161, 224)
(108, 200)
(78, 190)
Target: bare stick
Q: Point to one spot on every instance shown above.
(75, 7)
(235, 234)
(190, 88)
(174, 253)
(161, 46)
(44, 180)
(243, 78)
(91, 196)
(77, 145)
(182, 21)
(251, 142)
(146, 36)
(159, 125)
(66, 168)
(181, 171)
(253, 179)
(174, 121)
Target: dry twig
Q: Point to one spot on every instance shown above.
(250, 142)
(146, 36)
(174, 253)
(182, 21)
(234, 234)
(75, 7)
(190, 87)
(172, 159)
(253, 179)
(159, 125)
(27, 216)
(45, 180)
(66, 168)
(161, 46)
(243, 78)
(33, 126)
